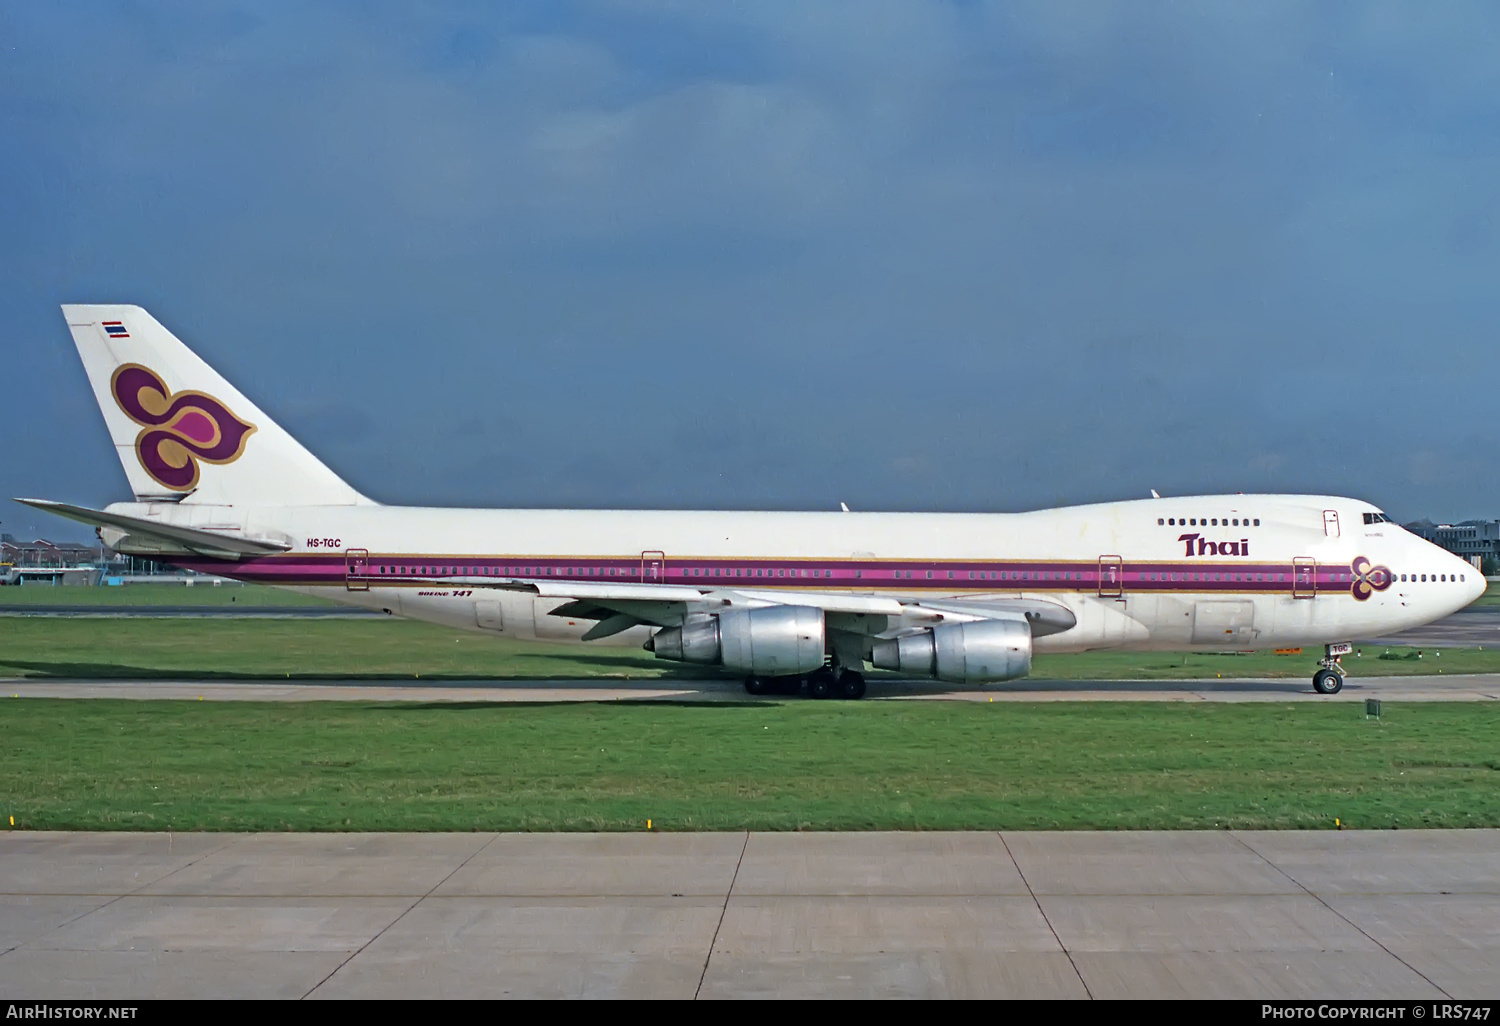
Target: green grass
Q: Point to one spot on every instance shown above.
(394, 649)
(107, 764)
(385, 648)
(154, 595)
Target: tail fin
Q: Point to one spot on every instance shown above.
(182, 431)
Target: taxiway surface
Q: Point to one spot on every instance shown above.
(1294, 914)
(1457, 687)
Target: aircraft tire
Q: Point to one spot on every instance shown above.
(756, 685)
(820, 684)
(1327, 682)
(851, 685)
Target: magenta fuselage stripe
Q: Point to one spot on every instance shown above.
(314, 569)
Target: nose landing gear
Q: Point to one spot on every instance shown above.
(1328, 682)
(1330, 679)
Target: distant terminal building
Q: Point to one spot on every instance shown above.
(48, 562)
(1478, 541)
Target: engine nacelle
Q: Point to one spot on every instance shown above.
(965, 653)
(770, 642)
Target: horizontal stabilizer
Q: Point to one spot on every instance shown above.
(145, 538)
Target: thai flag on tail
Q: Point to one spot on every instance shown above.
(114, 329)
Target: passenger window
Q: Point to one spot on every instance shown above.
(1193, 521)
(1215, 521)
(1257, 521)
(1160, 521)
(929, 575)
(1171, 522)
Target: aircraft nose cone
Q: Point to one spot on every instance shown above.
(1476, 584)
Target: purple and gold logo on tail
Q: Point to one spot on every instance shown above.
(1368, 579)
(177, 428)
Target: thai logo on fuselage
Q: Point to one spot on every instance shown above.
(1368, 579)
(178, 429)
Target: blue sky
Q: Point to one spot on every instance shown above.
(774, 255)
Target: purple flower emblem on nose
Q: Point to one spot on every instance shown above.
(1368, 579)
(178, 429)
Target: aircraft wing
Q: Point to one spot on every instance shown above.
(622, 605)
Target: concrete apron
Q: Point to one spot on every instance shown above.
(1296, 914)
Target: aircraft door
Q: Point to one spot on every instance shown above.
(356, 568)
(489, 616)
(1304, 577)
(1111, 576)
(653, 566)
(1331, 523)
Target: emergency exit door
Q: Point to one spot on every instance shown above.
(1304, 577)
(356, 569)
(1111, 576)
(653, 566)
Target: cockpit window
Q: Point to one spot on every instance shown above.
(1377, 518)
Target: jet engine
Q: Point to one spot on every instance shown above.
(965, 653)
(770, 642)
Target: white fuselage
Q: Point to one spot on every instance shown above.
(1228, 572)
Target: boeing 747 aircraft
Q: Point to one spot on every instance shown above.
(782, 599)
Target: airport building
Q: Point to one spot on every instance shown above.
(51, 563)
(1478, 541)
(48, 562)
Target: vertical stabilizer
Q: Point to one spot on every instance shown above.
(184, 433)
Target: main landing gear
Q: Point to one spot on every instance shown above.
(822, 683)
(1330, 679)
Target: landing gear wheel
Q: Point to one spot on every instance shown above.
(851, 685)
(756, 685)
(820, 684)
(1327, 682)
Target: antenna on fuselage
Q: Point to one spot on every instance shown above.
(1154, 495)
